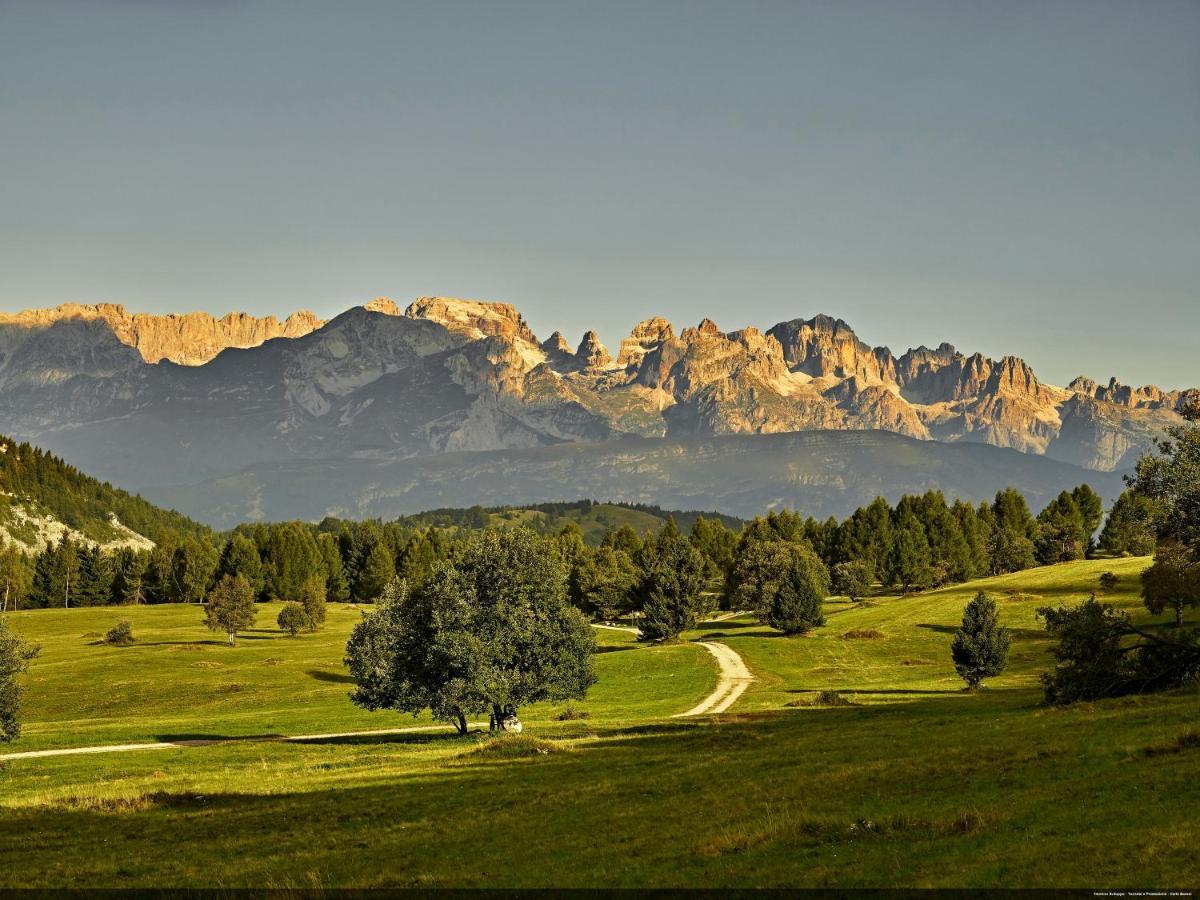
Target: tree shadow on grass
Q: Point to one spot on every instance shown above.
(723, 624)
(332, 677)
(200, 738)
(616, 648)
(855, 690)
(1015, 632)
(412, 737)
(212, 643)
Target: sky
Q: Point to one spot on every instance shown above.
(1013, 177)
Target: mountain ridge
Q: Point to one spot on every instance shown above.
(448, 375)
(819, 473)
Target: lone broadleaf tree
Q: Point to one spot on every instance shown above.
(15, 655)
(230, 606)
(489, 632)
(980, 647)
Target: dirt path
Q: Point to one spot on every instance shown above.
(734, 679)
(208, 742)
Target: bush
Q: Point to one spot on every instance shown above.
(1108, 581)
(120, 635)
(863, 634)
(571, 714)
(292, 619)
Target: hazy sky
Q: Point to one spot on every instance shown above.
(1012, 177)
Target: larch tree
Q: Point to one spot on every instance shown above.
(230, 606)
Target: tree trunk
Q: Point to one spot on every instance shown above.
(1179, 614)
(231, 639)
(460, 722)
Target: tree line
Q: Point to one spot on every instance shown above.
(919, 543)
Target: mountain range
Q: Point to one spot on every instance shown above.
(156, 403)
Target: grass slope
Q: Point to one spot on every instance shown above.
(916, 784)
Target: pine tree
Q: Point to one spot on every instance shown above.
(240, 556)
(784, 583)
(312, 601)
(908, 564)
(292, 559)
(1061, 532)
(377, 570)
(980, 646)
(337, 588)
(669, 591)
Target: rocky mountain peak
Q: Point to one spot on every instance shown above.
(384, 305)
(473, 319)
(825, 347)
(646, 335)
(556, 343)
(591, 353)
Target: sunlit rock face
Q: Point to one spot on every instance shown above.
(148, 400)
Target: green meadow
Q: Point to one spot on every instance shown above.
(901, 778)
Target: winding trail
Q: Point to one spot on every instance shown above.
(734, 679)
(732, 682)
(734, 676)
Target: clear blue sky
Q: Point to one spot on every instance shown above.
(1014, 177)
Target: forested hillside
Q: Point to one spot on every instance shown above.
(37, 485)
(594, 519)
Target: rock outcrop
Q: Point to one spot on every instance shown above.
(189, 339)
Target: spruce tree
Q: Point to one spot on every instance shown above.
(980, 646)
(377, 570)
(908, 563)
(292, 559)
(669, 592)
(337, 588)
(240, 556)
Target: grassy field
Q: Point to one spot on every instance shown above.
(914, 783)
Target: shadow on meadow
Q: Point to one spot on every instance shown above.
(668, 823)
(331, 677)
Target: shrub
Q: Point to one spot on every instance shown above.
(863, 634)
(1108, 581)
(292, 618)
(120, 635)
(571, 714)
(514, 746)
